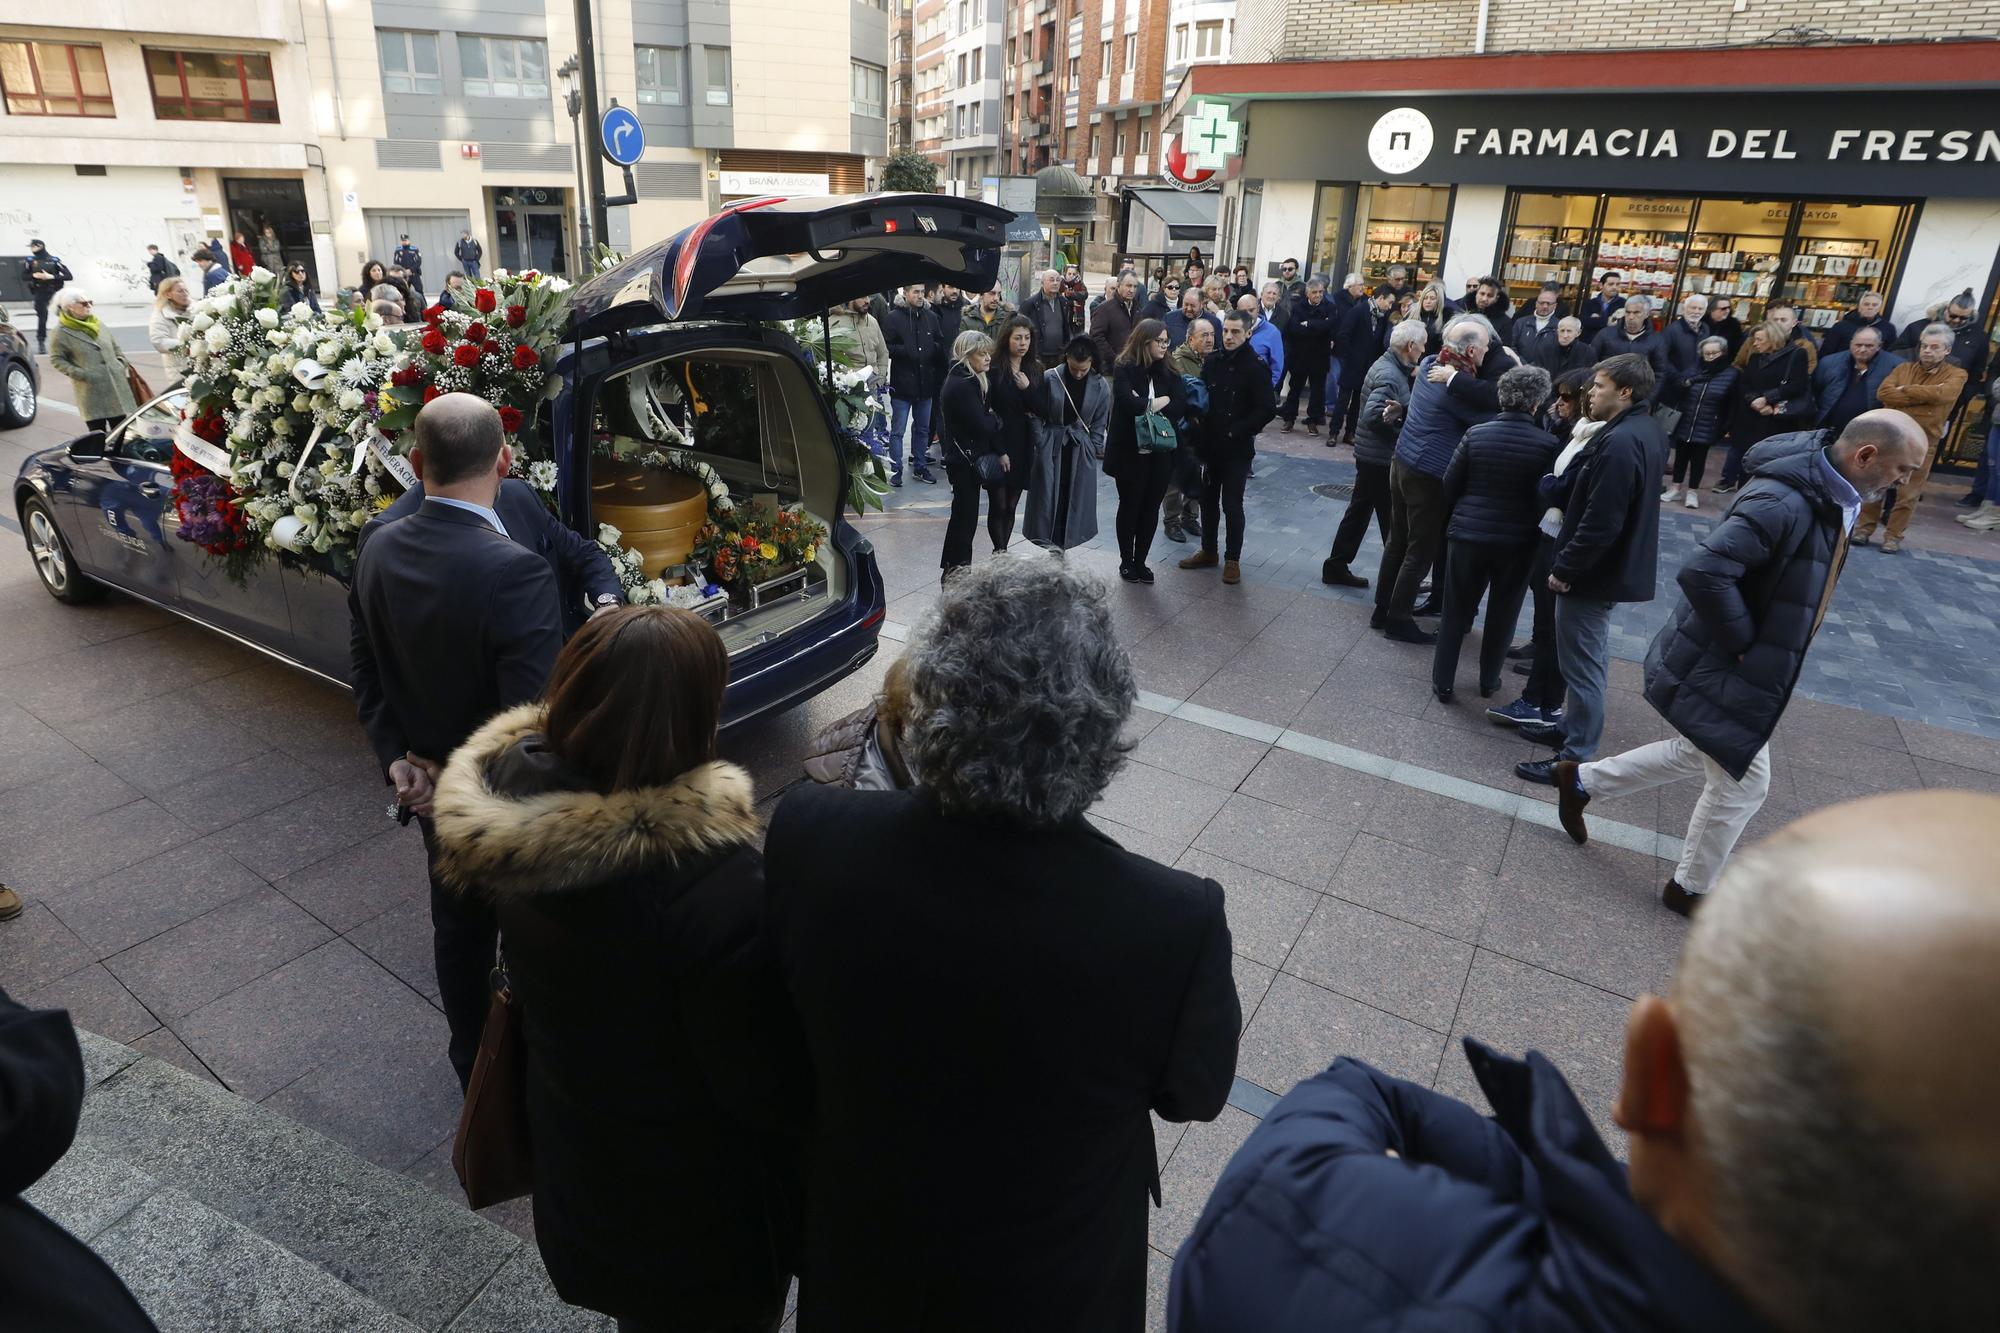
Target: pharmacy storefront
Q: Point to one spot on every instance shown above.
(1560, 168)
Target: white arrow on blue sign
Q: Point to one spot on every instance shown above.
(623, 138)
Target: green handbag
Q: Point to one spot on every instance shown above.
(1155, 434)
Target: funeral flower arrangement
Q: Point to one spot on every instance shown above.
(746, 547)
(860, 401)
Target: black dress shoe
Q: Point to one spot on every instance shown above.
(1175, 533)
(1443, 695)
(1488, 691)
(1522, 653)
(1570, 800)
(1376, 619)
(1541, 771)
(1544, 733)
(1407, 631)
(1142, 574)
(1522, 668)
(1340, 576)
(1125, 572)
(1677, 899)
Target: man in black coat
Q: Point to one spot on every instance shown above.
(586, 584)
(1532, 324)
(985, 1058)
(1560, 348)
(43, 274)
(453, 621)
(158, 268)
(1112, 322)
(48, 1278)
(1363, 337)
(1241, 402)
(1721, 669)
(919, 351)
(1680, 345)
(1633, 333)
(1308, 352)
(1867, 314)
(1607, 550)
(1602, 307)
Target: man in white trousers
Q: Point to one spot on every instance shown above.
(1721, 669)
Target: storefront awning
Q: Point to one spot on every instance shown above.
(1179, 216)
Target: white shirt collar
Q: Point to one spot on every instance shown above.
(472, 508)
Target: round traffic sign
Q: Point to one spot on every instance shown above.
(622, 137)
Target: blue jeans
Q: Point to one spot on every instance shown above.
(908, 412)
(1333, 382)
(471, 267)
(1989, 466)
(1583, 650)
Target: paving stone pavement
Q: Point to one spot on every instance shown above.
(212, 879)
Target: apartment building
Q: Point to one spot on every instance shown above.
(902, 71)
(351, 123)
(124, 125)
(958, 62)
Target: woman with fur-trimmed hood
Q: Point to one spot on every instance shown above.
(622, 858)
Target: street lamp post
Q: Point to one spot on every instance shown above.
(573, 103)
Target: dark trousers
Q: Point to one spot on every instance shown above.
(1313, 381)
(1001, 502)
(1689, 459)
(1371, 497)
(1497, 572)
(964, 521)
(1142, 484)
(1732, 464)
(1416, 521)
(42, 317)
(1222, 497)
(1347, 409)
(464, 935)
(1059, 521)
(1545, 682)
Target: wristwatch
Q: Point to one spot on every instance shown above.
(604, 599)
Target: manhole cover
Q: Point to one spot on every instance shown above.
(1334, 490)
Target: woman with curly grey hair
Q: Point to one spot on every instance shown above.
(972, 962)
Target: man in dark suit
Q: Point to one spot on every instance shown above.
(453, 622)
(585, 581)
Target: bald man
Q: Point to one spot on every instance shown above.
(453, 621)
(1808, 1111)
(1721, 669)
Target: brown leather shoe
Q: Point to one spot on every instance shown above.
(1201, 560)
(1232, 572)
(10, 903)
(1677, 899)
(1570, 800)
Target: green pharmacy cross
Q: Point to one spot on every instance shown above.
(1212, 137)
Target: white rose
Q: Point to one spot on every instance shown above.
(383, 345)
(373, 322)
(241, 397)
(352, 400)
(299, 313)
(302, 402)
(656, 591)
(358, 517)
(284, 469)
(277, 337)
(324, 542)
(327, 351)
(281, 427)
(268, 317)
(607, 533)
(217, 338)
(203, 321)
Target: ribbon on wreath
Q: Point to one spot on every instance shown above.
(211, 456)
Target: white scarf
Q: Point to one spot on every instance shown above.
(1579, 437)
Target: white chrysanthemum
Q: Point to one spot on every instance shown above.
(355, 372)
(542, 475)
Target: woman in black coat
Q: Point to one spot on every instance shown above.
(622, 858)
(1142, 381)
(994, 993)
(1017, 395)
(1773, 395)
(968, 428)
(1704, 399)
(1490, 487)
(1722, 322)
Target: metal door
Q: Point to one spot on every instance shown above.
(432, 230)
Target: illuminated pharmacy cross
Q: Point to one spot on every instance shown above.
(1213, 135)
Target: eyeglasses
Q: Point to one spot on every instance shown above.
(74, 304)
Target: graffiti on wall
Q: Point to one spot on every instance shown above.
(105, 250)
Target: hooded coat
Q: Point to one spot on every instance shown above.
(1085, 437)
(1722, 668)
(659, 1047)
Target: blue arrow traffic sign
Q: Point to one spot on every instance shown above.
(623, 138)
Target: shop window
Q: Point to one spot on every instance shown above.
(659, 75)
(409, 61)
(1842, 251)
(1401, 224)
(54, 79)
(1738, 251)
(1325, 257)
(1549, 240)
(1643, 238)
(503, 67)
(212, 85)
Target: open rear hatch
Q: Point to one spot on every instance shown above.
(788, 258)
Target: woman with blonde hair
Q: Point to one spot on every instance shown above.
(969, 435)
(1435, 309)
(163, 330)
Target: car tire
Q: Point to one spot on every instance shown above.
(54, 563)
(18, 399)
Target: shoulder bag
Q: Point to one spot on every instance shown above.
(491, 1153)
(1153, 433)
(142, 392)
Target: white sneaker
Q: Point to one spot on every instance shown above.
(1669, 495)
(1977, 518)
(1986, 522)
(1694, 500)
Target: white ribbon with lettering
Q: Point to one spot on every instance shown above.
(396, 465)
(213, 457)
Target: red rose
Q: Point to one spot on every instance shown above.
(431, 315)
(475, 333)
(431, 391)
(483, 301)
(525, 358)
(517, 315)
(465, 354)
(510, 419)
(407, 376)
(433, 342)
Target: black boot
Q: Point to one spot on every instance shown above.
(1340, 576)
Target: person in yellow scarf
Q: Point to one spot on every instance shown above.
(86, 351)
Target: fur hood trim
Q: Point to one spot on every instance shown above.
(561, 840)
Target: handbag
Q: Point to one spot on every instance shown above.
(1155, 434)
(1669, 419)
(491, 1152)
(142, 392)
(989, 469)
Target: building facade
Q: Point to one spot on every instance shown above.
(350, 124)
(902, 70)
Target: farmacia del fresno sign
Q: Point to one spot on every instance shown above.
(1856, 142)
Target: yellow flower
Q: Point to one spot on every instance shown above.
(812, 553)
(768, 551)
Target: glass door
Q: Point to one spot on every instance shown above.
(1330, 212)
(1643, 239)
(1401, 224)
(545, 241)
